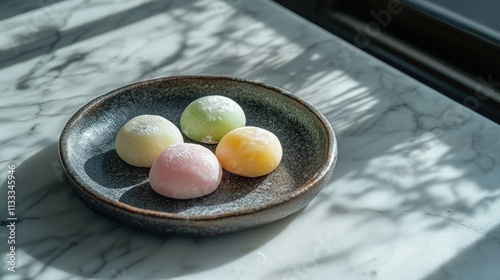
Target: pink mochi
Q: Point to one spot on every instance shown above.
(184, 171)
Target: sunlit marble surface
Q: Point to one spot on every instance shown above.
(415, 194)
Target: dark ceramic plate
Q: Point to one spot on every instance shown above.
(122, 192)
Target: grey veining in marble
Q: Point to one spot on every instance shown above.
(415, 193)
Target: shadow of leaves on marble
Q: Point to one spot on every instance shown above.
(11, 8)
(448, 170)
(49, 39)
(477, 261)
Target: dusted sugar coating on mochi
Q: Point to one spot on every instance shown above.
(141, 140)
(209, 118)
(249, 151)
(184, 171)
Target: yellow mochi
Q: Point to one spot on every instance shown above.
(141, 140)
(249, 151)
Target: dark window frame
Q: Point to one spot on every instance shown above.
(451, 58)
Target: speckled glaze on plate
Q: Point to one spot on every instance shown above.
(122, 192)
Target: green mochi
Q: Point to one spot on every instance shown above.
(209, 118)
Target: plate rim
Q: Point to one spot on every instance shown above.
(312, 183)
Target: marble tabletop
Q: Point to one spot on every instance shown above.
(415, 193)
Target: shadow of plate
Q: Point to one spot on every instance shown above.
(57, 231)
